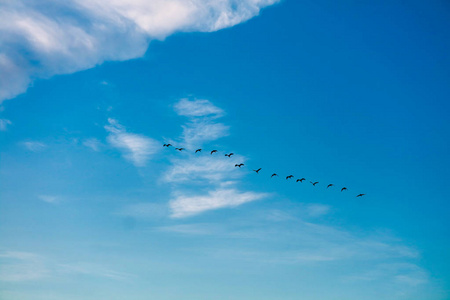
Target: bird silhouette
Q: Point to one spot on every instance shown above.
(257, 170)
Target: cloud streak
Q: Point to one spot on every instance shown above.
(34, 146)
(136, 148)
(203, 168)
(21, 266)
(4, 123)
(44, 38)
(202, 125)
(184, 206)
(215, 174)
(197, 108)
(50, 199)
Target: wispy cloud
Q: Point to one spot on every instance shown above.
(210, 169)
(136, 148)
(317, 210)
(194, 229)
(404, 273)
(202, 125)
(374, 260)
(199, 131)
(61, 37)
(4, 123)
(21, 266)
(34, 146)
(197, 108)
(144, 210)
(50, 199)
(214, 173)
(92, 270)
(184, 206)
(18, 266)
(93, 143)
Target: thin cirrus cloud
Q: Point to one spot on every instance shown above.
(194, 170)
(34, 146)
(202, 125)
(50, 199)
(4, 123)
(184, 206)
(374, 258)
(20, 266)
(135, 148)
(197, 108)
(211, 169)
(93, 144)
(44, 38)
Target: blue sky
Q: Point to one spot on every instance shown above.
(355, 94)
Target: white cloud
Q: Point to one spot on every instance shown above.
(49, 199)
(197, 132)
(92, 270)
(4, 124)
(201, 126)
(215, 171)
(184, 206)
(135, 147)
(209, 168)
(34, 146)
(144, 210)
(92, 143)
(195, 229)
(44, 38)
(400, 279)
(197, 108)
(21, 266)
(317, 210)
(26, 266)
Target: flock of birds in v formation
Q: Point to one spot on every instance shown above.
(257, 170)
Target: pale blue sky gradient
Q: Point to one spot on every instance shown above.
(355, 94)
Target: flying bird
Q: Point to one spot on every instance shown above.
(198, 150)
(314, 183)
(360, 195)
(238, 165)
(274, 174)
(257, 171)
(343, 189)
(214, 151)
(179, 149)
(301, 179)
(167, 145)
(229, 155)
(290, 176)
(330, 185)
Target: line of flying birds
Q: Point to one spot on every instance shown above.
(257, 170)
